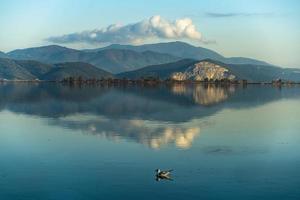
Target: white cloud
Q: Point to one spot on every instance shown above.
(154, 27)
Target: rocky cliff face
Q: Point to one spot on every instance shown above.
(203, 70)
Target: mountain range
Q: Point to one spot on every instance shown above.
(118, 58)
(112, 60)
(31, 70)
(161, 60)
(184, 50)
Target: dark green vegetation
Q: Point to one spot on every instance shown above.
(31, 70)
(151, 61)
(10, 69)
(37, 69)
(2, 55)
(75, 69)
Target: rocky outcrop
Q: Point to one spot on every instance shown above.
(203, 70)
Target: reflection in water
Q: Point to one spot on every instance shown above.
(60, 142)
(204, 95)
(154, 116)
(148, 133)
(212, 94)
(182, 138)
(180, 88)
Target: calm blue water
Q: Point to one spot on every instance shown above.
(59, 142)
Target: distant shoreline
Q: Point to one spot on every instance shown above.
(151, 82)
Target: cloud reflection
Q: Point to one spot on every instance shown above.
(150, 133)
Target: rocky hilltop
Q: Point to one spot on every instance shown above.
(203, 70)
(189, 69)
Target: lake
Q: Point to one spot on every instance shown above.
(98, 142)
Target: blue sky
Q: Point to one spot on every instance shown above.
(263, 29)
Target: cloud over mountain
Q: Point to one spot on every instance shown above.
(154, 27)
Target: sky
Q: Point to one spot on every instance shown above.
(262, 29)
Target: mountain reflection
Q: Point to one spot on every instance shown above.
(152, 116)
(204, 95)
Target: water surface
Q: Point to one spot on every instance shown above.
(91, 142)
